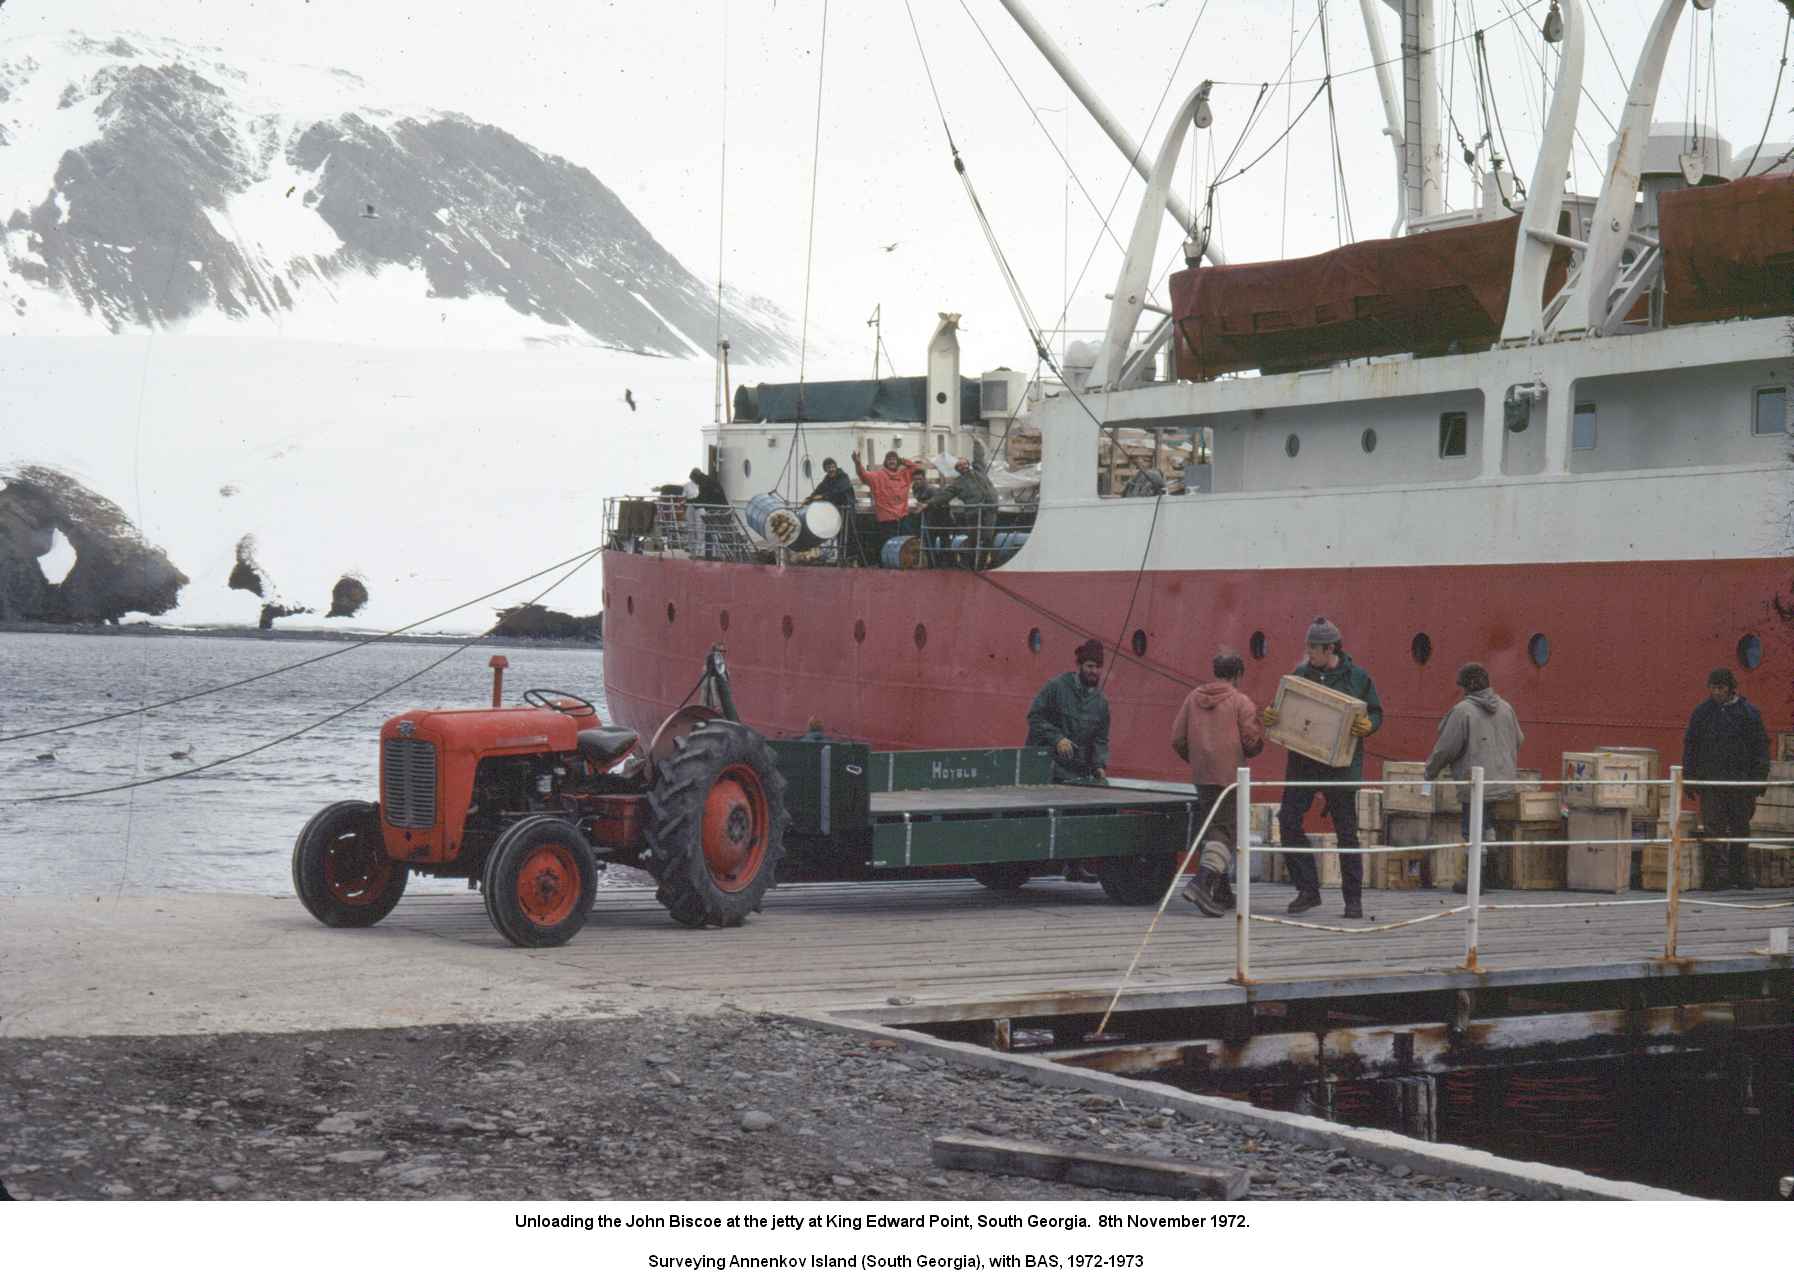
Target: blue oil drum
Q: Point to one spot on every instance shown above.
(901, 552)
(768, 517)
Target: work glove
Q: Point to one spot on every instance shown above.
(1361, 727)
(1063, 748)
(1269, 716)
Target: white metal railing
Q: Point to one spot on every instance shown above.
(1474, 845)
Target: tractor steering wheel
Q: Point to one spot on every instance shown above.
(548, 699)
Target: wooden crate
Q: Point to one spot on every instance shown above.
(1772, 865)
(1599, 867)
(1535, 866)
(1408, 829)
(1772, 819)
(1653, 874)
(1397, 870)
(1650, 803)
(1784, 748)
(1407, 798)
(1536, 805)
(1263, 820)
(1582, 770)
(1314, 721)
(1370, 809)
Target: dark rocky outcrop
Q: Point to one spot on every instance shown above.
(246, 575)
(347, 598)
(116, 571)
(535, 622)
(272, 611)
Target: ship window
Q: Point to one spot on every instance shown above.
(671, 612)
(723, 620)
(1257, 645)
(1750, 652)
(1540, 649)
(859, 630)
(1454, 434)
(1421, 647)
(871, 452)
(1291, 445)
(631, 604)
(747, 468)
(941, 398)
(788, 627)
(1368, 440)
(1139, 643)
(897, 445)
(1034, 640)
(1582, 427)
(807, 472)
(1771, 417)
(921, 635)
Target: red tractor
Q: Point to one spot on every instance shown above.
(526, 803)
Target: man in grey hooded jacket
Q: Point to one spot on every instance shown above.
(1481, 729)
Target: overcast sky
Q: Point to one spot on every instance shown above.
(635, 91)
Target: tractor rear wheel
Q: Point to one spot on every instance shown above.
(716, 825)
(539, 882)
(1137, 881)
(340, 868)
(1003, 877)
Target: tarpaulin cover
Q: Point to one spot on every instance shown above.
(1419, 294)
(1728, 250)
(898, 400)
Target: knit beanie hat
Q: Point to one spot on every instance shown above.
(1322, 632)
(1090, 652)
(1473, 678)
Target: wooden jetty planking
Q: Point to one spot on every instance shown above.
(1124, 1173)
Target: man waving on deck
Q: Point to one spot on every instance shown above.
(1071, 716)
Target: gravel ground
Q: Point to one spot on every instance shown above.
(659, 1107)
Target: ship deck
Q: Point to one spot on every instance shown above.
(160, 965)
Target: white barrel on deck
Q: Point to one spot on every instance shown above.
(768, 517)
(822, 519)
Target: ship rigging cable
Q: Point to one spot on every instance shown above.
(580, 557)
(579, 565)
(1780, 75)
(1391, 61)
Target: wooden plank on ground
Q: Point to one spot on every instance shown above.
(1124, 1173)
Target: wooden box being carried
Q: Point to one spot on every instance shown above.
(1314, 721)
(1534, 866)
(1402, 795)
(1609, 780)
(1592, 862)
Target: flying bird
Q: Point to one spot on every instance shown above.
(182, 755)
(629, 398)
(369, 212)
(48, 755)
(892, 247)
(290, 190)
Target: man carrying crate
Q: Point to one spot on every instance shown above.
(1328, 665)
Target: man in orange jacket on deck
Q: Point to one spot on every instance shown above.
(889, 485)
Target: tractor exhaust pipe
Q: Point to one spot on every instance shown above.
(498, 663)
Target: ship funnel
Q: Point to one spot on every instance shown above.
(943, 374)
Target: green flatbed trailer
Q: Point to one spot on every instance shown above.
(993, 812)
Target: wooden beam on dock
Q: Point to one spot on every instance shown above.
(1124, 1173)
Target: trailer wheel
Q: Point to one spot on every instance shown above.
(1002, 877)
(340, 869)
(1137, 881)
(716, 825)
(539, 882)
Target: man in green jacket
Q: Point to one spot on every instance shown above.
(1328, 664)
(1071, 716)
(978, 497)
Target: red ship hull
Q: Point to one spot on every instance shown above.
(912, 659)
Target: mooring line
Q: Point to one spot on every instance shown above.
(1369, 928)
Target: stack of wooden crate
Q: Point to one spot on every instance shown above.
(1266, 867)
(1653, 874)
(1533, 812)
(1606, 792)
(1415, 815)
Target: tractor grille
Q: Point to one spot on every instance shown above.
(408, 782)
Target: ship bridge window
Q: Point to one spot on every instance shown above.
(1582, 427)
(747, 468)
(1454, 434)
(1771, 416)
(807, 472)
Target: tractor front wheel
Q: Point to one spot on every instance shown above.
(340, 868)
(1137, 881)
(539, 882)
(716, 825)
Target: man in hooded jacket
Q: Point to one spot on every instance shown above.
(1216, 731)
(1071, 716)
(1480, 729)
(1327, 664)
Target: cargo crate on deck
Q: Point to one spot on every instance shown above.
(1397, 870)
(1784, 748)
(1534, 866)
(1401, 795)
(1314, 721)
(1649, 804)
(1591, 864)
(1370, 809)
(1606, 780)
(1653, 874)
(1772, 865)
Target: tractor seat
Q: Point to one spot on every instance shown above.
(602, 746)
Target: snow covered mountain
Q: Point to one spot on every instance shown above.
(145, 183)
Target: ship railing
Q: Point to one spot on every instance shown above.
(1475, 843)
(662, 525)
(963, 536)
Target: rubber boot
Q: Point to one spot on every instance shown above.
(1354, 908)
(1303, 902)
(1200, 892)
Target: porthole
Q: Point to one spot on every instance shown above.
(1257, 645)
(859, 630)
(723, 620)
(630, 604)
(1139, 643)
(1291, 445)
(1034, 640)
(1750, 651)
(671, 612)
(941, 398)
(1368, 440)
(1540, 649)
(788, 627)
(921, 635)
(807, 472)
(747, 468)
(1421, 647)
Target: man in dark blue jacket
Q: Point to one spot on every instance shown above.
(1726, 742)
(1328, 664)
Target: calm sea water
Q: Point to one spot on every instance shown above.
(226, 830)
